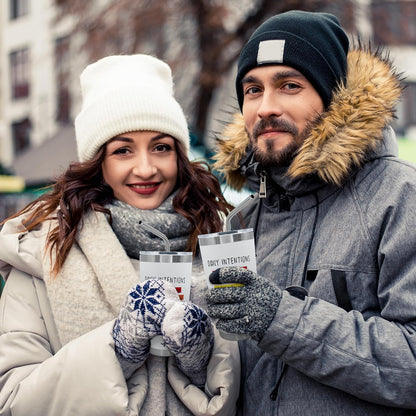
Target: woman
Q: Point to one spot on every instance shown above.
(74, 336)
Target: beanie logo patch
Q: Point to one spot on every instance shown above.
(271, 51)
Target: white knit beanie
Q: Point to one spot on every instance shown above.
(127, 93)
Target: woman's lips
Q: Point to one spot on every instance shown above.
(145, 188)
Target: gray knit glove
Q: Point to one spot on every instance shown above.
(140, 318)
(247, 309)
(187, 331)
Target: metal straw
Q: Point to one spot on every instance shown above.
(157, 233)
(236, 210)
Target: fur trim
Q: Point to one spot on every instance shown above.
(232, 147)
(343, 136)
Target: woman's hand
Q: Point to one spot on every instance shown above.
(141, 317)
(188, 333)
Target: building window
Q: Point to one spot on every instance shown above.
(18, 8)
(63, 72)
(19, 73)
(21, 135)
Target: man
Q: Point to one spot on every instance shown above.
(331, 311)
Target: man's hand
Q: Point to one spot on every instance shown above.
(245, 304)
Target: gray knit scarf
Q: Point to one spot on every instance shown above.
(127, 220)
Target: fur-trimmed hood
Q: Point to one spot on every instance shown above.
(345, 135)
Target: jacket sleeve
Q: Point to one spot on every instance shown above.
(222, 385)
(372, 357)
(83, 377)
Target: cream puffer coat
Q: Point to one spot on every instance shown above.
(42, 376)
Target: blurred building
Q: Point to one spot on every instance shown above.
(393, 23)
(35, 96)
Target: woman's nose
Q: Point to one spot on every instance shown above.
(144, 167)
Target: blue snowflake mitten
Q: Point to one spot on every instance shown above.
(188, 333)
(140, 318)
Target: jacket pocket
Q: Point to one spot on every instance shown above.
(339, 281)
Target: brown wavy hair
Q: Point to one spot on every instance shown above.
(81, 188)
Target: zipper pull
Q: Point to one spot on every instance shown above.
(262, 190)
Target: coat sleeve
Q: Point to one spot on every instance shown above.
(83, 377)
(222, 385)
(371, 357)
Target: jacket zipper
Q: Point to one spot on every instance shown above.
(262, 189)
(284, 203)
(282, 198)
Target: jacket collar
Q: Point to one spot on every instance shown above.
(349, 133)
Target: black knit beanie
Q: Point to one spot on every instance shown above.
(313, 43)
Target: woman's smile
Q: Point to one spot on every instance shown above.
(145, 188)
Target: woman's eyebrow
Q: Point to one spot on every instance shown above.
(129, 140)
(121, 139)
(161, 136)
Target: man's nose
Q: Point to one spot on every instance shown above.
(270, 104)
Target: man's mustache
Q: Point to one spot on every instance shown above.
(275, 124)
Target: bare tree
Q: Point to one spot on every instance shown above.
(200, 39)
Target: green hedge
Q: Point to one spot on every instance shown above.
(407, 149)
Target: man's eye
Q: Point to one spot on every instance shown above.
(251, 90)
(291, 86)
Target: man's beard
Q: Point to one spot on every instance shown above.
(270, 156)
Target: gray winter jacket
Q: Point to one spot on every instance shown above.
(339, 221)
